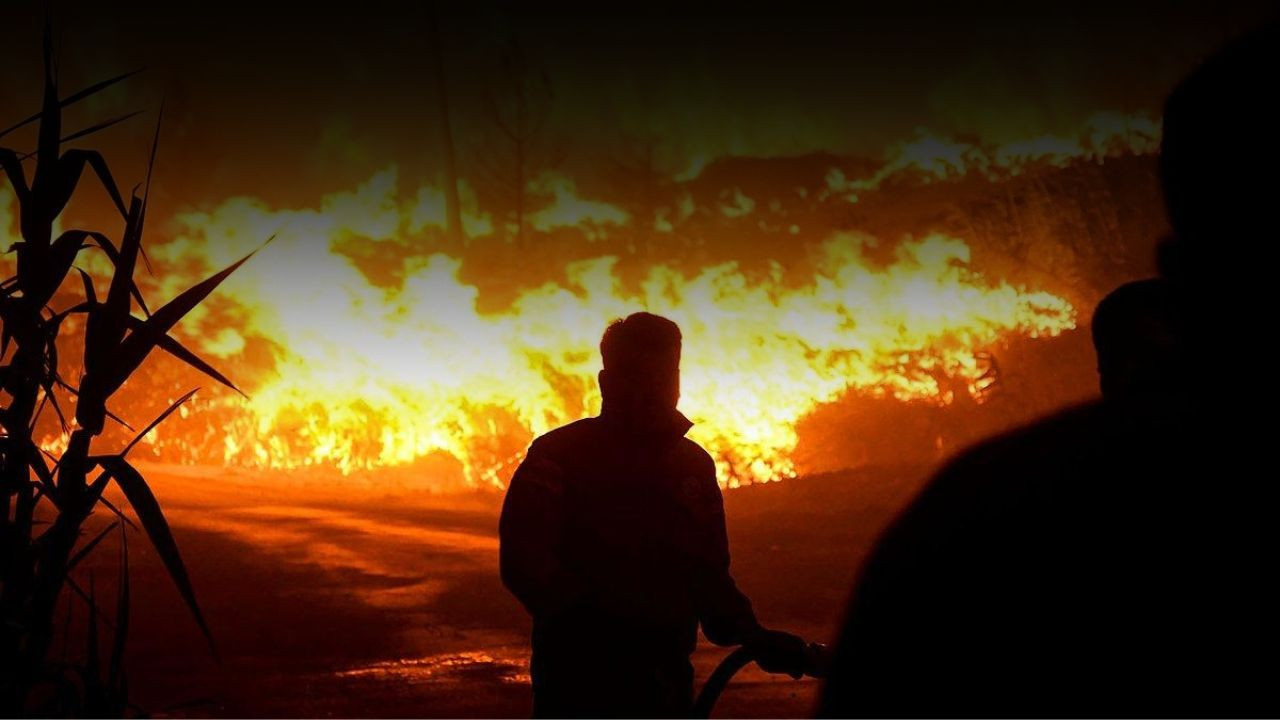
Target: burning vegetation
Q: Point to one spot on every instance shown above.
(375, 334)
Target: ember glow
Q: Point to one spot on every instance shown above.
(373, 370)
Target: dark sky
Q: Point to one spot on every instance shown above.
(285, 101)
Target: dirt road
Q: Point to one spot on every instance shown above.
(327, 603)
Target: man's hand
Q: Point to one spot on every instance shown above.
(776, 651)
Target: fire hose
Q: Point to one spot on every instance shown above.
(816, 657)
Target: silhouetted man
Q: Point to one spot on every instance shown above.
(1089, 564)
(1142, 368)
(613, 537)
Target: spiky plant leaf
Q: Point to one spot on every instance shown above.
(115, 667)
(90, 294)
(89, 130)
(83, 552)
(71, 99)
(44, 475)
(159, 419)
(144, 503)
(145, 338)
(106, 327)
(171, 345)
(84, 595)
(12, 168)
(104, 243)
(91, 661)
(71, 165)
(123, 518)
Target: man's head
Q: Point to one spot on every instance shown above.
(1218, 157)
(1140, 355)
(641, 375)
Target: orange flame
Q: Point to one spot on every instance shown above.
(376, 374)
(371, 376)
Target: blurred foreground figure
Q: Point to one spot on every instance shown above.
(1142, 369)
(1118, 558)
(613, 537)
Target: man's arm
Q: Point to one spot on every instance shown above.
(913, 634)
(725, 612)
(529, 533)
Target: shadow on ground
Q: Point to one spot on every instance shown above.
(391, 607)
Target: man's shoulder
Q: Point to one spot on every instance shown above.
(550, 459)
(694, 474)
(1065, 431)
(567, 438)
(692, 457)
(999, 475)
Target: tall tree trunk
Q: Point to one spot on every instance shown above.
(521, 141)
(452, 203)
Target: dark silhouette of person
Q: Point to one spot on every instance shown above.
(613, 538)
(1102, 561)
(1141, 360)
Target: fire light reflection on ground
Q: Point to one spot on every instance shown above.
(390, 604)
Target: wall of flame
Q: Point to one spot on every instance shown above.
(354, 361)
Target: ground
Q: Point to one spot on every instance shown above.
(339, 602)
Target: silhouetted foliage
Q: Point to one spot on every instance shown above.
(517, 107)
(48, 496)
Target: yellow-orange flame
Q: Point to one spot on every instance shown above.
(371, 374)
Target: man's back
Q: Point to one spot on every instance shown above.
(613, 537)
(1079, 566)
(632, 530)
(1115, 559)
